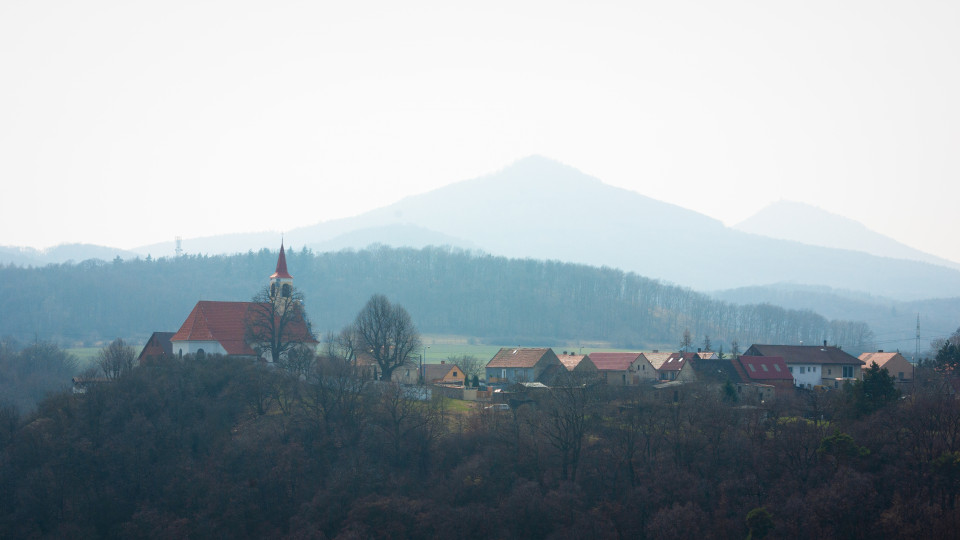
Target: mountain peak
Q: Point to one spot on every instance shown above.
(808, 224)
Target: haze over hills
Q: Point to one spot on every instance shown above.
(788, 220)
(538, 208)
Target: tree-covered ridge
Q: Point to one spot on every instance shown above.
(218, 448)
(446, 291)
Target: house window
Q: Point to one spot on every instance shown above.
(764, 367)
(777, 367)
(790, 368)
(624, 376)
(803, 370)
(829, 371)
(503, 373)
(900, 375)
(455, 375)
(847, 372)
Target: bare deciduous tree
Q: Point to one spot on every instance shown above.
(277, 326)
(387, 333)
(116, 359)
(470, 365)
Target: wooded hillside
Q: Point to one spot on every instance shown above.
(518, 301)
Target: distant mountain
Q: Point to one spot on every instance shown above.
(788, 220)
(541, 209)
(25, 256)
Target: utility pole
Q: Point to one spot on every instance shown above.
(916, 352)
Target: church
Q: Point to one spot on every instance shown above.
(246, 329)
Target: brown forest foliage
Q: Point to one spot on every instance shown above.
(179, 450)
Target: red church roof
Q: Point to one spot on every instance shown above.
(223, 322)
(281, 272)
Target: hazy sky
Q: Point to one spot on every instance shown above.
(126, 123)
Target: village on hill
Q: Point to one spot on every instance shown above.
(275, 327)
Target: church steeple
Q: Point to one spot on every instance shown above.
(281, 282)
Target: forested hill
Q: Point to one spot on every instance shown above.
(496, 299)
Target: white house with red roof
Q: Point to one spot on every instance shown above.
(221, 327)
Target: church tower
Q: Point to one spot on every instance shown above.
(281, 283)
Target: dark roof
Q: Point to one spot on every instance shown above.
(765, 368)
(435, 372)
(714, 370)
(676, 361)
(281, 266)
(805, 354)
(159, 340)
(518, 357)
(613, 361)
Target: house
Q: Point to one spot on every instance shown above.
(813, 365)
(512, 365)
(895, 363)
(755, 380)
(673, 368)
(442, 373)
(657, 358)
(577, 363)
(766, 371)
(215, 327)
(623, 369)
(157, 349)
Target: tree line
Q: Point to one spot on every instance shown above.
(447, 291)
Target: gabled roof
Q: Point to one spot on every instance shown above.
(715, 370)
(765, 368)
(518, 357)
(806, 354)
(881, 358)
(281, 272)
(676, 361)
(159, 340)
(435, 372)
(657, 359)
(613, 361)
(574, 361)
(707, 355)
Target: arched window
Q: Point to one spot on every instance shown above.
(286, 290)
(201, 354)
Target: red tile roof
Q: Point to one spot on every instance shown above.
(225, 323)
(281, 272)
(613, 361)
(511, 357)
(765, 367)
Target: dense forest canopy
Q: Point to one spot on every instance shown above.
(446, 291)
(220, 448)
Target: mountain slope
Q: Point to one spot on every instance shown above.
(799, 222)
(541, 209)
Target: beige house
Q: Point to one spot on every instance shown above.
(442, 373)
(577, 363)
(520, 364)
(897, 366)
(623, 369)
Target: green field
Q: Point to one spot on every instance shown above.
(436, 348)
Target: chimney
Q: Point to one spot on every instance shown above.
(443, 361)
(698, 350)
(655, 350)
